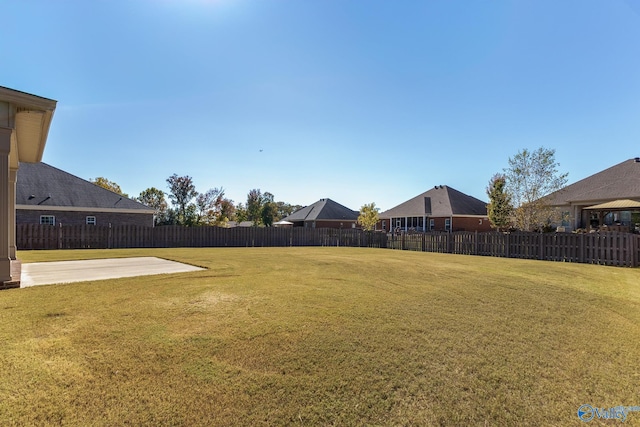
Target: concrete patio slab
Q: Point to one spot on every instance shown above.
(47, 273)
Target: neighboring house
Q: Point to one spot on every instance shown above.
(232, 224)
(441, 208)
(283, 224)
(47, 195)
(325, 213)
(610, 197)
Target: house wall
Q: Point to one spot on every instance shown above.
(578, 216)
(26, 216)
(328, 224)
(439, 224)
(470, 224)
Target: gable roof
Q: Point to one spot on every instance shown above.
(621, 181)
(440, 201)
(323, 209)
(41, 186)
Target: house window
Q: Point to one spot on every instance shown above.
(432, 224)
(447, 224)
(91, 220)
(384, 225)
(47, 220)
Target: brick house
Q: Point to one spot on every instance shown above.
(325, 213)
(441, 208)
(608, 198)
(47, 195)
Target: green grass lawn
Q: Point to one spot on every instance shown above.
(322, 336)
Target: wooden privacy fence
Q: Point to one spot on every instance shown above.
(610, 248)
(36, 236)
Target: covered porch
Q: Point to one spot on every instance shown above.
(24, 126)
(618, 215)
(410, 223)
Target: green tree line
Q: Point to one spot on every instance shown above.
(184, 205)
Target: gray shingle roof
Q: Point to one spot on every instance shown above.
(440, 201)
(323, 209)
(621, 181)
(39, 184)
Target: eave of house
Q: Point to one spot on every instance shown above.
(589, 202)
(30, 116)
(435, 216)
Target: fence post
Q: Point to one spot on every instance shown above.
(475, 243)
(541, 247)
(59, 236)
(508, 245)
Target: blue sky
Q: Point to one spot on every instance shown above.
(356, 100)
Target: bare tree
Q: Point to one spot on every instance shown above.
(208, 206)
(531, 176)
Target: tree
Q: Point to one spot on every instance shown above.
(499, 208)
(368, 217)
(227, 212)
(284, 209)
(109, 185)
(254, 206)
(181, 192)
(208, 206)
(154, 198)
(241, 213)
(531, 176)
(170, 217)
(269, 209)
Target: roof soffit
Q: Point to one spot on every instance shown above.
(30, 116)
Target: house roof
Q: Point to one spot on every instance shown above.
(323, 209)
(616, 204)
(44, 187)
(440, 201)
(621, 181)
